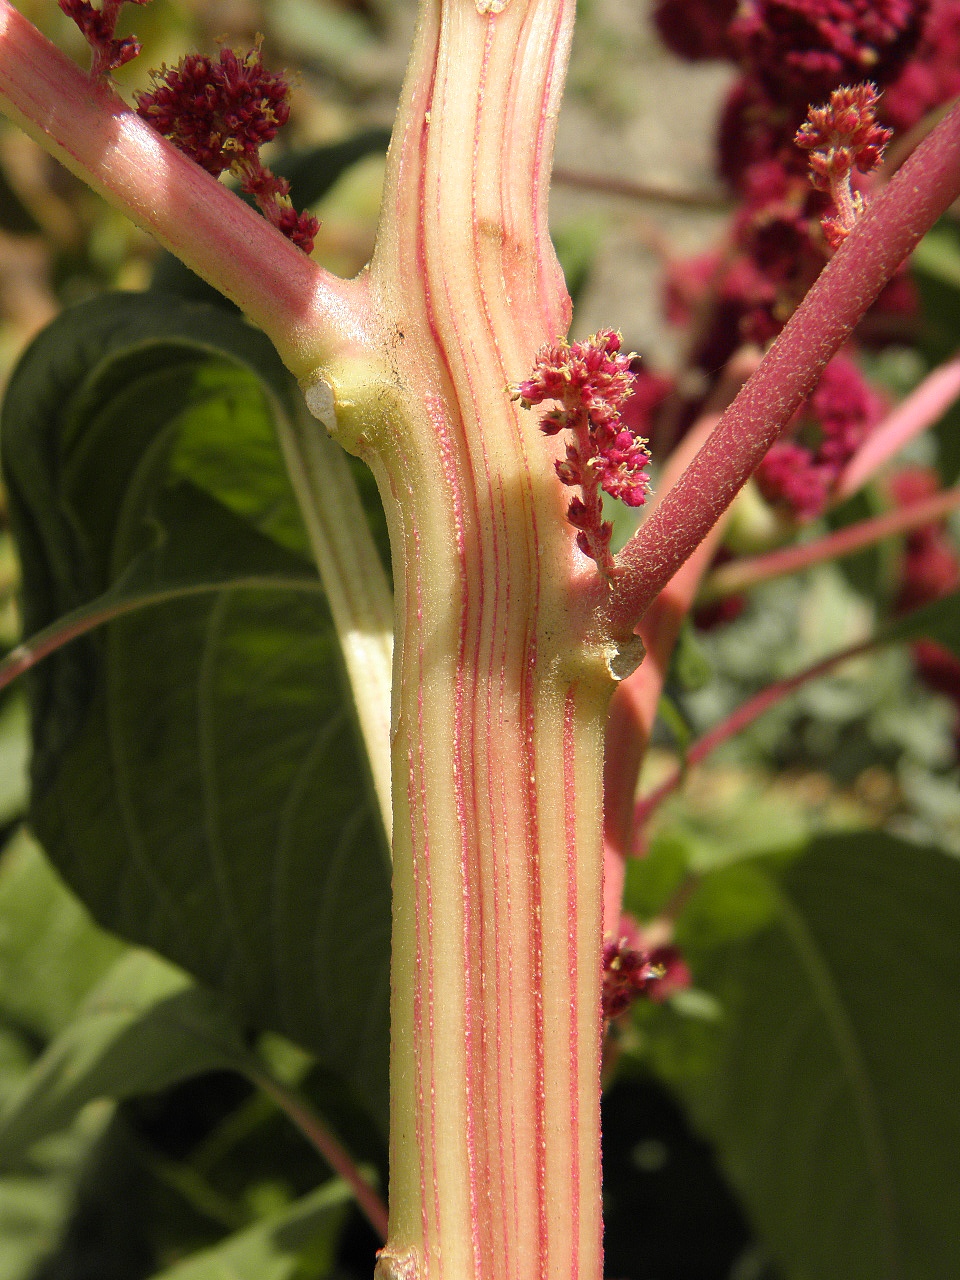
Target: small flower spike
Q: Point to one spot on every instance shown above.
(98, 27)
(592, 382)
(220, 112)
(843, 137)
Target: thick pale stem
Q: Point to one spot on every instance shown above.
(307, 313)
(498, 705)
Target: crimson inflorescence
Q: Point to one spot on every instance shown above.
(799, 472)
(821, 85)
(630, 971)
(593, 382)
(803, 48)
(220, 111)
(98, 27)
(217, 110)
(929, 570)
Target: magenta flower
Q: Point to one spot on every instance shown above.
(593, 382)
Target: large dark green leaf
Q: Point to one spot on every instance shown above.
(197, 776)
(830, 1083)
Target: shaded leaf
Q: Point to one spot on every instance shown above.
(298, 1241)
(197, 776)
(939, 621)
(51, 953)
(143, 1027)
(830, 1084)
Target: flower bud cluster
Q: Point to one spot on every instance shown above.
(218, 111)
(843, 137)
(630, 971)
(591, 381)
(98, 27)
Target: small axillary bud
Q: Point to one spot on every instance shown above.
(842, 137)
(591, 381)
(397, 1264)
(322, 403)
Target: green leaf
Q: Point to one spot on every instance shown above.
(51, 953)
(298, 1242)
(35, 1204)
(830, 1087)
(14, 755)
(145, 1026)
(197, 775)
(938, 621)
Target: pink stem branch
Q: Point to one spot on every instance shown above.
(918, 411)
(885, 234)
(743, 574)
(301, 307)
(336, 1155)
(736, 722)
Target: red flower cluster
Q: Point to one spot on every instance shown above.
(798, 473)
(98, 27)
(592, 381)
(217, 111)
(220, 112)
(792, 53)
(696, 29)
(930, 568)
(629, 972)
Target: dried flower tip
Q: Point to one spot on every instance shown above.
(98, 27)
(591, 381)
(842, 137)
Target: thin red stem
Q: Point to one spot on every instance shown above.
(736, 722)
(335, 1154)
(886, 234)
(659, 193)
(744, 574)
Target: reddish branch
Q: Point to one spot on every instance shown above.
(885, 235)
(736, 722)
(743, 574)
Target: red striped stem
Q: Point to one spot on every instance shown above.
(498, 705)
